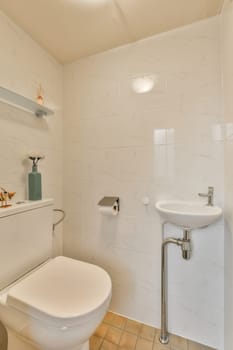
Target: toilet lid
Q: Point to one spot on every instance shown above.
(62, 288)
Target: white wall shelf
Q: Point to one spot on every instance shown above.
(19, 101)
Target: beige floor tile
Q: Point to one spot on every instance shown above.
(118, 321)
(195, 346)
(113, 335)
(143, 344)
(157, 335)
(108, 317)
(107, 345)
(128, 341)
(157, 346)
(133, 326)
(95, 342)
(101, 330)
(119, 333)
(178, 343)
(147, 332)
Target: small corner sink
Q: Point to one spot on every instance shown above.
(190, 215)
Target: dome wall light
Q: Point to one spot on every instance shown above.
(144, 84)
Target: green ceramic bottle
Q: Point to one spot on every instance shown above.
(34, 184)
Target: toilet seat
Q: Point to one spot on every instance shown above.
(54, 304)
(62, 293)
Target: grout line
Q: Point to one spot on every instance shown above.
(136, 342)
(120, 339)
(101, 343)
(153, 341)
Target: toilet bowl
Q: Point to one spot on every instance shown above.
(59, 305)
(60, 302)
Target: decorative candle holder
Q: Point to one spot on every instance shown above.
(5, 196)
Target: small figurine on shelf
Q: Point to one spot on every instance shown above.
(40, 98)
(5, 196)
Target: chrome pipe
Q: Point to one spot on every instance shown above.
(61, 219)
(164, 338)
(186, 246)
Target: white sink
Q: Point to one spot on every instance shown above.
(188, 214)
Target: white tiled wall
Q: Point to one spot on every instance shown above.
(167, 143)
(227, 59)
(23, 67)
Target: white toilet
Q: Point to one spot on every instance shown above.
(51, 304)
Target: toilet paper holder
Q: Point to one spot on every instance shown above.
(112, 202)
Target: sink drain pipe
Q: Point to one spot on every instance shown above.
(185, 245)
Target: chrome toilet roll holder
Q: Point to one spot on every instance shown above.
(110, 202)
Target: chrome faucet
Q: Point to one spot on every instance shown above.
(209, 195)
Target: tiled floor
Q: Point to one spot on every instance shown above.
(119, 333)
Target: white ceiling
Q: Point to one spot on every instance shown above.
(70, 29)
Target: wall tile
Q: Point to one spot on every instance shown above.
(167, 143)
(227, 55)
(23, 66)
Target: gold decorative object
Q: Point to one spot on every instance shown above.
(40, 98)
(5, 196)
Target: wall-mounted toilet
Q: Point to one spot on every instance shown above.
(52, 304)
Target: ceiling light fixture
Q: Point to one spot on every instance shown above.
(88, 2)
